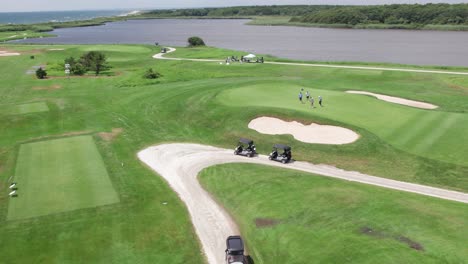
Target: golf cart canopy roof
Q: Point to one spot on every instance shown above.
(246, 141)
(235, 244)
(281, 146)
(250, 56)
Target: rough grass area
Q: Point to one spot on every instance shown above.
(293, 217)
(150, 224)
(60, 175)
(22, 109)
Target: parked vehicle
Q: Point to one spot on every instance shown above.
(235, 250)
(285, 155)
(245, 147)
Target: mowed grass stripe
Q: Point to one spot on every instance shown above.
(439, 130)
(418, 128)
(23, 109)
(394, 135)
(60, 175)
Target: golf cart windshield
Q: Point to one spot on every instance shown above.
(283, 147)
(246, 141)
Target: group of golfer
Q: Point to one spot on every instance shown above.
(309, 98)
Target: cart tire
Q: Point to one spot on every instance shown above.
(270, 158)
(283, 161)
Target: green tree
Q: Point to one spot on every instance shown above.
(151, 74)
(76, 67)
(95, 61)
(41, 73)
(196, 41)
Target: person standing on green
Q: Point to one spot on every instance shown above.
(320, 101)
(312, 102)
(300, 97)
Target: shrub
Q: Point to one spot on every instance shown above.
(78, 69)
(95, 61)
(195, 41)
(151, 74)
(41, 73)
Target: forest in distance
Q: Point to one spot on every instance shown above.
(412, 15)
(396, 16)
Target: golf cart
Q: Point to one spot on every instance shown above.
(245, 147)
(284, 157)
(235, 250)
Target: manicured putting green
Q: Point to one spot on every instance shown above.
(428, 133)
(60, 175)
(22, 109)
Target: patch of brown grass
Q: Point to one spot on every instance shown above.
(382, 235)
(109, 136)
(266, 222)
(47, 88)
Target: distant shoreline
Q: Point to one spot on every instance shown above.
(9, 32)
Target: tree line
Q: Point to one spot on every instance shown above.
(429, 14)
(436, 14)
(243, 11)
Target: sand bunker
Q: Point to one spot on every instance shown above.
(55, 49)
(313, 133)
(397, 100)
(4, 53)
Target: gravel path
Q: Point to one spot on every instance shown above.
(180, 164)
(161, 57)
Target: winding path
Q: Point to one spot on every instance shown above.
(180, 164)
(161, 57)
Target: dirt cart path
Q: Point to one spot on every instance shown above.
(180, 164)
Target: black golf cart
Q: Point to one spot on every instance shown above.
(235, 250)
(284, 157)
(245, 147)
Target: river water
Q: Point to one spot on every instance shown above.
(446, 48)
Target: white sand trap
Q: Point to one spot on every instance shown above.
(56, 49)
(397, 100)
(313, 133)
(4, 53)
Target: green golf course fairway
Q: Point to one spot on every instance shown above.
(433, 134)
(22, 109)
(60, 175)
(191, 103)
(293, 217)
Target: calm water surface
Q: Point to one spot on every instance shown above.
(321, 44)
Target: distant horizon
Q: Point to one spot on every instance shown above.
(11, 8)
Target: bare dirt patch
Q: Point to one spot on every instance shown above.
(313, 133)
(382, 235)
(397, 100)
(266, 222)
(109, 136)
(7, 53)
(47, 88)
